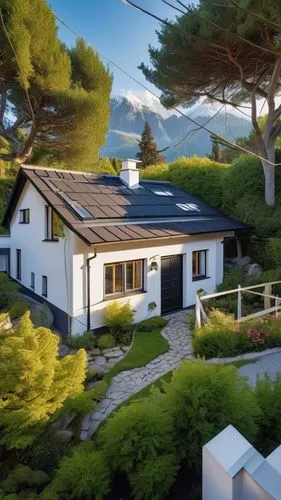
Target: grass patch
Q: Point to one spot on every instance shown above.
(146, 347)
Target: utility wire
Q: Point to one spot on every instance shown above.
(236, 146)
(254, 14)
(17, 61)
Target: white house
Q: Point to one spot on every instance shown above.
(78, 241)
(234, 470)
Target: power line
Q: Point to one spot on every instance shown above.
(155, 95)
(17, 61)
(254, 14)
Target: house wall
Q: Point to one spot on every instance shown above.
(51, 259)
(152, 279)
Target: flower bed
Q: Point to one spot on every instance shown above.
(222, 336)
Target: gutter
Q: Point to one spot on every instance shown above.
(89, 259)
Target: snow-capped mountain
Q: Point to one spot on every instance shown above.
(130, 110)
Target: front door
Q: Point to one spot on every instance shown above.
(171, 283)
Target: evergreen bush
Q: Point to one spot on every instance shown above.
(18, 308)
(8, 291)
(106, 341)
(268, 394)
(85, 341)
(118, 317)
(150, 324)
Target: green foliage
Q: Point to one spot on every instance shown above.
(83, 475)
(104, 166)
(148, 154)
(45, 453)
(18, 308)
(202, 400)
(138, 441)
(155, 172)
(86, 341)
(118, 317)
(273, 252)
(69, 89)
(23, 477)
(106, 341)
(86, 401)
(268, 395)
(147, 325)
(34, 382)
(8, 291)
(6, 186)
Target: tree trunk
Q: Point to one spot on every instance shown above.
(269, 176)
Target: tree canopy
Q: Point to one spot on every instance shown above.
(216, 51)
(148, 148)
(51, 97)
(34, 382)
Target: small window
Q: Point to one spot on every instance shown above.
(24, 216)
(163, 193)
(44, 286)
(32, 281)
(199, 264)
(82, 212)
(18, 264)
(52, 224)
(123, 278)
(188, 207)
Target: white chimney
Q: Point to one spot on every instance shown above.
(129, 173)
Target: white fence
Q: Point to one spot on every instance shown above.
(201, 315)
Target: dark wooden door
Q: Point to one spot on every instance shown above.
(171, 283)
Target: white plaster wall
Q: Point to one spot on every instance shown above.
(152, 279)
(251, 490)
(52, 259)
(217, 484)
(5, 241)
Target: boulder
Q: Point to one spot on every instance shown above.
(113, 353)
(62, 422)
(63, 350)
(242, 261)
(64, 436)
(92, 353)
(41, 315)
(5, 322)
(97, 368)
(254, 271)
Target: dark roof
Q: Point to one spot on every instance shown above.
(117, 213)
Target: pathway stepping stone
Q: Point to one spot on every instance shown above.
(130, 382)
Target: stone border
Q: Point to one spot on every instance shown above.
(248, 355)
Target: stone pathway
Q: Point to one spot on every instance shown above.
(129, 382)
(270, 364)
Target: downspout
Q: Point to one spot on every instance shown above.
(89, 290)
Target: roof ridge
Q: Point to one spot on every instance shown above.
(50, 169)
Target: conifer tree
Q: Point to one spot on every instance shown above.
(34, 383)
(59, 98)
(148, 148)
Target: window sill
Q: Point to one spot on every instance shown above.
(51, 240)
(116, 296)
(24, 222)
(201, 278)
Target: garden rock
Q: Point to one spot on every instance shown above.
(242, 261)
(254, 271)
(42, 315)
(63, 422)
(113, 353)
(99, 361)
(63, 350)
(100, 370)
(5, 324)
(94, 352)
(64, 436)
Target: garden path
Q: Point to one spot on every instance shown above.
(270, 364)
(130, 382)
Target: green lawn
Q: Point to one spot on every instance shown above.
(146, 347)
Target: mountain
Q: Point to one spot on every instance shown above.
(130, 110)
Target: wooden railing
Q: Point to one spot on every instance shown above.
(201, 315)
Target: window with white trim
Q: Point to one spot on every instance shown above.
(199, 264)
(123, 278)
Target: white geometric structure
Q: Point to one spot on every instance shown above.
(234, 470)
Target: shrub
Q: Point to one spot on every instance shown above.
(83, 475)
(18, 308)
(136, 435)
(202, 400)
(154, 477)
(106, 341)
(91, 375)
(45, 453)
(273, 252)
(268, 395)
(8, 291)
(22, 477)
(86, 401)
(155, 172)
(118, 317)
(150, 324)
(86, 341)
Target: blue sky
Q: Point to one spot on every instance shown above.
(118, 31)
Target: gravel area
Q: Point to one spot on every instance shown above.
(270, 364)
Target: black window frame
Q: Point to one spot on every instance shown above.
(44, 286)
(25, 213)
(202, 254)
(124, 292)
(49, 226)
(32, 280)
(18, 264)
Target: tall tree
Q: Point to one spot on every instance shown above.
(148, 148)
(34, 383)
(59, 99)
(213, 50)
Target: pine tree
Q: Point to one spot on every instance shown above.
(34, 383)
(148, 148)
(68, 90)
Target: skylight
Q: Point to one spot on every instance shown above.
(188, 207)
(82, 212)
(163, 193)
